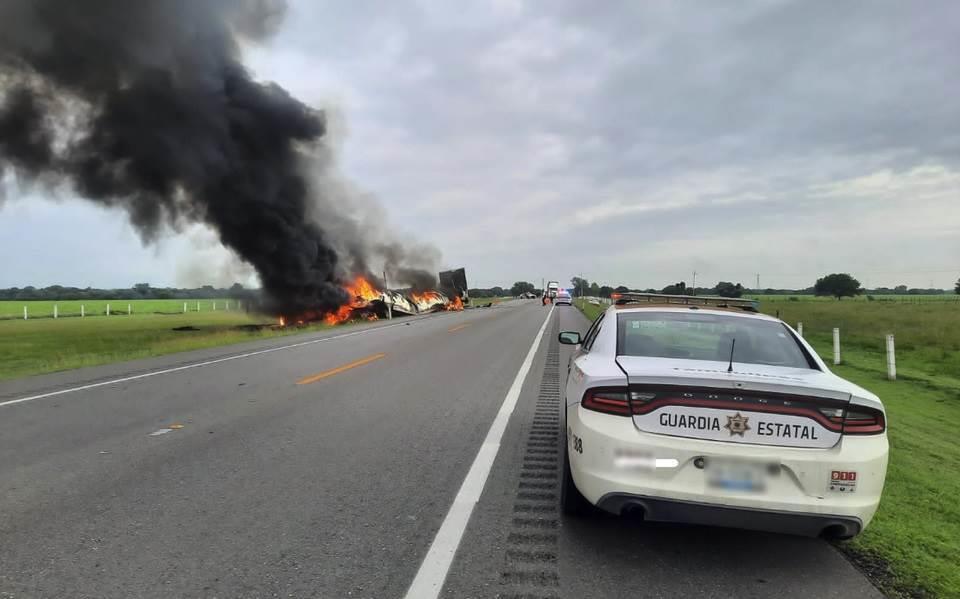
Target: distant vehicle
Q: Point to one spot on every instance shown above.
(552, 288)
(594, 301)
(563, 297)
(701, 410)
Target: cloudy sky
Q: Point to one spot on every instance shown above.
(632, 142)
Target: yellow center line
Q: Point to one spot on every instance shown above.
(458, 327)
(320, 376)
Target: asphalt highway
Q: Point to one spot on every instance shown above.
(324, 465)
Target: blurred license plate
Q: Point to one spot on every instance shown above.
(736, 475)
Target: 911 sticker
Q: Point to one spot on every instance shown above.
(843, 481)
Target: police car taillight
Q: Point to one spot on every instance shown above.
(609, 400)
(855, 420)
(863, 421)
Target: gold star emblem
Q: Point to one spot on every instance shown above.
(737, 425)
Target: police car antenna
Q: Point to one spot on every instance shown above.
(733, 344)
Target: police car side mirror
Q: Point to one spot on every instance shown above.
(569, 338)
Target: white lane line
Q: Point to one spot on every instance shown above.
(197, 365)
(433, 571)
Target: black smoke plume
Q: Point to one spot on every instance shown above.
(145, 105)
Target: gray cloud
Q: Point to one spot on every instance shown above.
(636, 142)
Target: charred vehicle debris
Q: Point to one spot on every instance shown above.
(371, 302)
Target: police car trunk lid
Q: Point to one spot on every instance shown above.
(753, 404)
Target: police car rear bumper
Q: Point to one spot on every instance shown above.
(666, 510)
(668, 471)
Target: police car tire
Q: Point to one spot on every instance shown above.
(572, 502)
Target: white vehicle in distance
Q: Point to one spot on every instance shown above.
(563, 297)
(552, 288)
(701, 410)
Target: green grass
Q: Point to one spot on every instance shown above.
(43, 344)
(917, 528)
(37, 346)
(904, 298)
(589, 310)
(927, 334)
(44, 309)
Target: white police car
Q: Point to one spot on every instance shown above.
(701, 410)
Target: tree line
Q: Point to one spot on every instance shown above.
(836, 285)
(138, 291)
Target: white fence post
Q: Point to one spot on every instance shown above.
(55, 311)
(108, 309)
(891, 359)
(129, 309)
(24, 312)
(836, 346)
(198, 305)
(227, 308)
(214, 306)
(82, 311)
(800, 328)
(184, 307)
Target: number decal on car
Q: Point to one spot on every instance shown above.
(577, 443)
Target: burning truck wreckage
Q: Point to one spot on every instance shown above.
(369, 301)
(150, 111)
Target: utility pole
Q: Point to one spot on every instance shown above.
(694, 282)
(758, 283)
(386, 291)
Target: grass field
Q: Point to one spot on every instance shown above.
(13, 309)
(45, 345)
(917, 528)
(906, 298)
(589, 310)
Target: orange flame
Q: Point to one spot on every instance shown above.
(362, 292)
(426, 296)
(283, 321)
(456, 304)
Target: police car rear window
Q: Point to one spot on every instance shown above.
(700, 336)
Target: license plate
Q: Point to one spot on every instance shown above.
(732, 475)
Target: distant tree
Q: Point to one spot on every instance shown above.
(497, 291)
(900, 289)
(142, 289)
(237, 292)
(676, 289)
(727, 289)
(594, 289)
(838, 285)
(580, 286)
(956, 288)
(621, 289)
(521, 287)
(606, 291)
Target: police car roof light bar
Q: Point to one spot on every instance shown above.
(622, 299)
